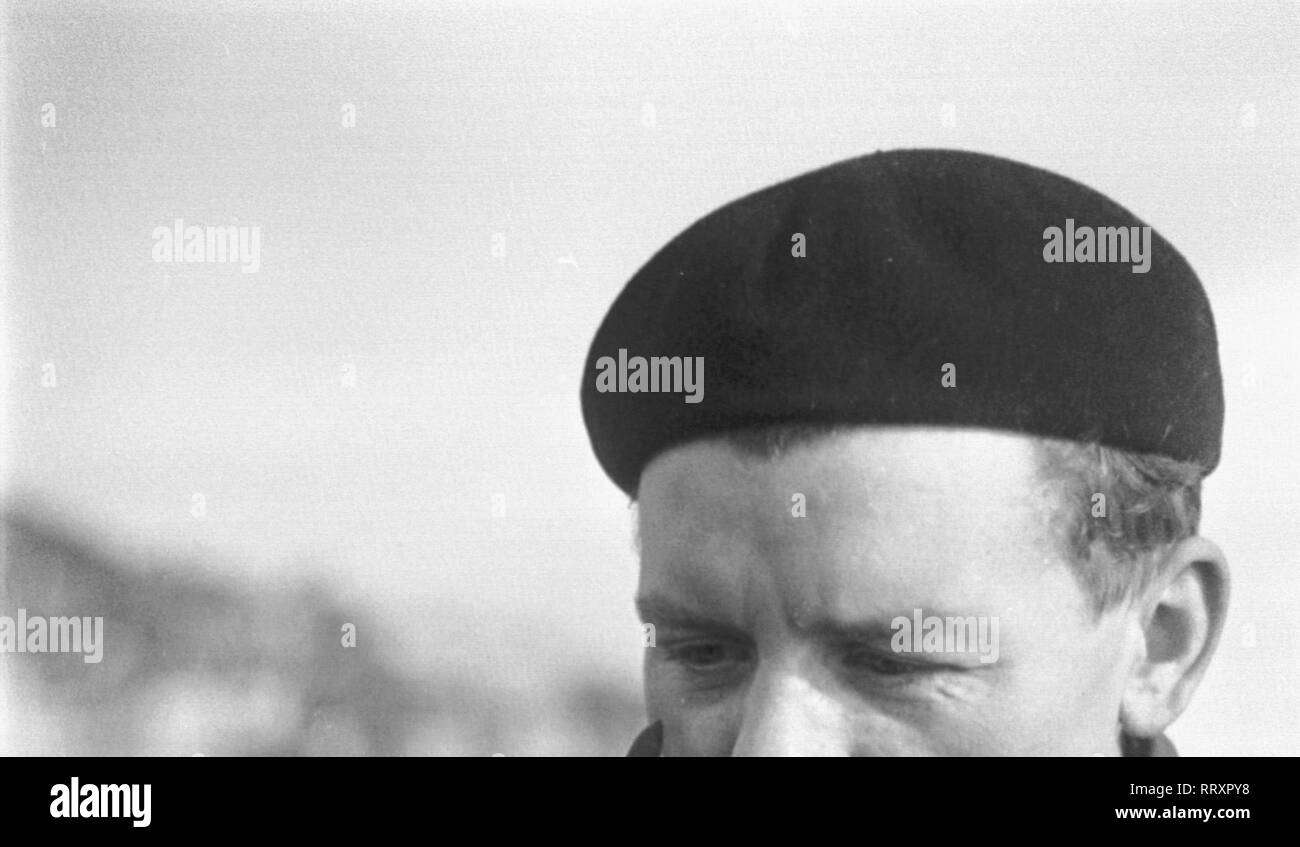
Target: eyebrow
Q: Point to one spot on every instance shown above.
(848, 633)
(660, 610)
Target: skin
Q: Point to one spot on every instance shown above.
(773, 632)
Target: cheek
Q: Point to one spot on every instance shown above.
(1097, 686)
(1064, 700)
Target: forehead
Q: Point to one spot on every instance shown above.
(874, 516)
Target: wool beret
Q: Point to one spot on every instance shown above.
(924, 287)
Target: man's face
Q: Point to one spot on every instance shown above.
(775, 633)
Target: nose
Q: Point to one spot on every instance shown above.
(786, 715)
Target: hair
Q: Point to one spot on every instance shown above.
(1114, 542)
(1150, 502)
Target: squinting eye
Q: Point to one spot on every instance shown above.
(705, 655)
(880, 664)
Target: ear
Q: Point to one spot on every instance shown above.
(1180, 623)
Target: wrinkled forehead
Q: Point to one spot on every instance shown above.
(906, 512)
(920, 462)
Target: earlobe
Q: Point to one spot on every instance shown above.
(1180, 627)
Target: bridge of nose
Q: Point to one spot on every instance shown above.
(787, 713)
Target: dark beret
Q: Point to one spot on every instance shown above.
(911, 287)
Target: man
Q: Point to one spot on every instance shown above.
(916, 442)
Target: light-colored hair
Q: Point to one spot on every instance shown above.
(1149, 503)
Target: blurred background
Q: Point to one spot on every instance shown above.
(380, 427)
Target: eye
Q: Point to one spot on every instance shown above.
(706, 656)
(882, 664)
